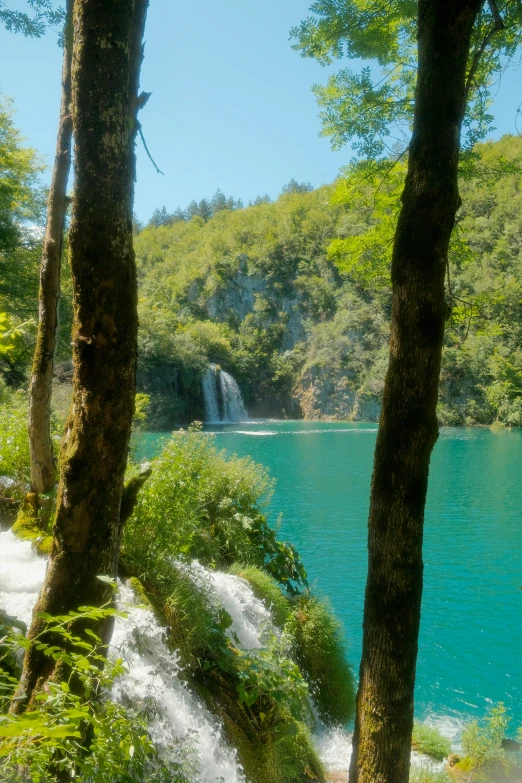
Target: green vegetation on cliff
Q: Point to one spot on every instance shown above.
(293, 299)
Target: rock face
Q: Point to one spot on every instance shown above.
(331, 395)
(237, 300)
(173, 401)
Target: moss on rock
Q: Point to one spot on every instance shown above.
(319, 650)
(140, 592)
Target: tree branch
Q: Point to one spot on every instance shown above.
(158, 171)
(497, 27)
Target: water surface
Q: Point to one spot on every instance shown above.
(471, 631)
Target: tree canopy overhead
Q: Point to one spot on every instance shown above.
(371, 104)
(42, 14)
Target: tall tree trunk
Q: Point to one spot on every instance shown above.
(43, 469)
(107, 55)
(408, 425)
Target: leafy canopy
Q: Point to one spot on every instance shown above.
(372, 106)
(43, 13)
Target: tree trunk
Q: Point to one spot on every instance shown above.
(408, 425)
(43, 469)
(107, 55)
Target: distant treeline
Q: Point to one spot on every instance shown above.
(207, 208)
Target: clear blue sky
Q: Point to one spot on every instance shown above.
(231, 104)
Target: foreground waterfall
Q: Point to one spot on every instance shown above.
(222, 397)
(181, 726)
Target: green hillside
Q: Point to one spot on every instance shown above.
(292, 298)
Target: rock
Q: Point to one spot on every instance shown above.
(453, 759)
(512, 746)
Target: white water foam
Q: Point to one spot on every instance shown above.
(181, 727)
(251, 620)
(21, 576)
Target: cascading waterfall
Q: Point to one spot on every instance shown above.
(232, 399)
(222, 397)
(182, 728)
(210, 395)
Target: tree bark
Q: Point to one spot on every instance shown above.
(408, 425)
(107, 54)
(43, 468)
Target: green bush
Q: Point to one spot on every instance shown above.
(199, 504)
(14, 445)
(482, 740)
(428, 740)
(318, 648)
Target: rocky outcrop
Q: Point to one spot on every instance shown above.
(174, 399)
(236, 299)
(323, 394)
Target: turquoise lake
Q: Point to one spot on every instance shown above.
(471, 630)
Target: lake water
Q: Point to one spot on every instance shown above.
(471, 630)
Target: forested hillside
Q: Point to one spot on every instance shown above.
(292, 297)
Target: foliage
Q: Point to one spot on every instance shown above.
(318, 647)
(373, 107)
(20, 198)
(429, 741)
(49, 741)
(205, 209)
(424, 774)
(14, 443)
(200, 505)
(482, 741)
(31, 25)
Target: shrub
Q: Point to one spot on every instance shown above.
(482, 741)
(198, 504)
(428, 740)
(14, 446)
(318, 648)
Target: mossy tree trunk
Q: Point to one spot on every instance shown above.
(408, 425)
(43, 469)
(107, 54)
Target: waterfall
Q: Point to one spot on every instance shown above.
(222, 397)
(210, 395)
(232, 399)
(181, 727)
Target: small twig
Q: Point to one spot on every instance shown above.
(497, 27)
(158, 171)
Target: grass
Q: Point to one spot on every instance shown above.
(267, 590)
(429, 741)
(425, 775)
(319, 650)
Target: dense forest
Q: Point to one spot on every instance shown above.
(292, 298)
